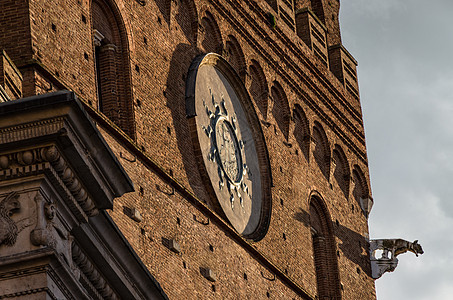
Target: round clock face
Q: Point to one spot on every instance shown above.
(225, 143)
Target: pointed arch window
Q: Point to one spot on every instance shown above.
(323, 241)
(113, 77)
(280, 108)
(258, 87)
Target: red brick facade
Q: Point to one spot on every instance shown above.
(309, 112)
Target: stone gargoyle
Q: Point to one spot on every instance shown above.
(391, 248)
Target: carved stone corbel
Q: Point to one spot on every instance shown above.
(39, 236)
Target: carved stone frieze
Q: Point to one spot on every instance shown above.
(31, 130)
(9, 229)
(23, 272)
(29, 162)
(71, 181)
(31, 292)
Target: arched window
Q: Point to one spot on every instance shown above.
(258, 87)
(280, 110)
(341, 173)
(302, 130)
(321, 149)
(209, 35)
(113, 77)
(360, 191)
(187, 18)
(325, 260)
(234, 55)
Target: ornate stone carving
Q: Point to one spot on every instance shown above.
(30, 130)
(40, 236)
(391, 248)
(63, 173)
(227, 138)
(31, 161)
(8, 228)
(227, 151)
(48, 231)
(70, 180)
(95, 279)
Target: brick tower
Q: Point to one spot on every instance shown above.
(239, 125)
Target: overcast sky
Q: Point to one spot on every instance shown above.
(404, 50)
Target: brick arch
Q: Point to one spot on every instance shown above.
(342, 173)
(258, 87)
(112, 65)
(323, 242)
(360, 189)
(187, 18)
(280, 109)
(235, 56)
(302, 130)
(209, 35)
(321, 149)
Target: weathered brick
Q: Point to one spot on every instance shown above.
(292, 90)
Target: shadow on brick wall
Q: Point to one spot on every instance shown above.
(175, 93)
(165, 9)
(353, 245)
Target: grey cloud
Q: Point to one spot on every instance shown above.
(406, 79)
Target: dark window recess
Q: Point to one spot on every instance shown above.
(324, 252)
(114, 91)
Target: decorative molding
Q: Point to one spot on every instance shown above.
(92, 274)
(31, 130)
(64, 175)
(33, 161)
(61, 284)
(23, 272)
(30, 292)
(71, 181)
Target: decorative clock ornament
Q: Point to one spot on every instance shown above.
(227, 134)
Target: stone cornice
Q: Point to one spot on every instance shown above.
(91, 275)
(78, 142)
(57, 177)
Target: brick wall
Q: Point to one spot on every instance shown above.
(163, 38)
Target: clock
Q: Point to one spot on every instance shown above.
(226, 136)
